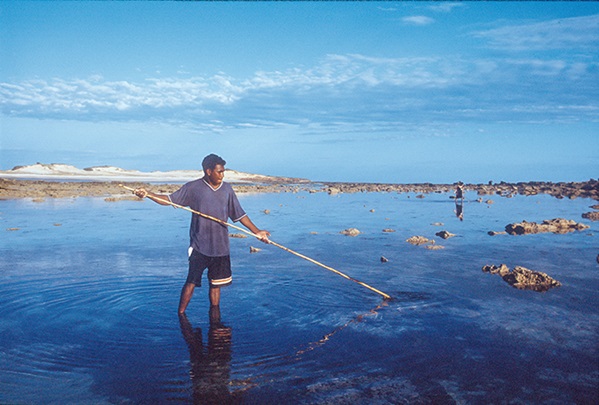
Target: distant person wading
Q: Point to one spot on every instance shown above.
(209, 240)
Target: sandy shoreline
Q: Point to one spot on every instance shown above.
(111, 190)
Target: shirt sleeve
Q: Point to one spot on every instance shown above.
(236, 212)
(181, 196)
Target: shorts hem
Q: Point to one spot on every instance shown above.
(221, 282)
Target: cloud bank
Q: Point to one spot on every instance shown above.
(578, 33)
(351, 89)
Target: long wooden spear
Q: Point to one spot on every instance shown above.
(386, 296)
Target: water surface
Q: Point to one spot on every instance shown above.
(89, 291)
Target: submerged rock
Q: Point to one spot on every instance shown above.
(556, 225)
(523, 278)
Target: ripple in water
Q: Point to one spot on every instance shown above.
(90, 317)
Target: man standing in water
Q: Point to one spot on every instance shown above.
(209, 240)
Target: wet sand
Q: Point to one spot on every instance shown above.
(112, 191)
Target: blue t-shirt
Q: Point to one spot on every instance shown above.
(207, 236)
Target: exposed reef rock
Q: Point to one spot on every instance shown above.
(445, 234)
(350, 232)
(588, 189)
(556, 225)
(419, 240)
(14, 187)
(523, 278)
(593, 216)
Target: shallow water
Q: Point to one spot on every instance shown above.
(89, 290)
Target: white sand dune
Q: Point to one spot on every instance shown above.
(59, 171)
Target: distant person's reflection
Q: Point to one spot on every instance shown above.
(459, 201)
(459, 210)
(211, 366)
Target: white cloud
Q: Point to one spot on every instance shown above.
(418, 20)
(341, 90)
(446, 6)
(565, 33)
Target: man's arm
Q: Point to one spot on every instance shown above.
(161, 199)
(247, 222)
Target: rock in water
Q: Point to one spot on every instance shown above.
(593, 216)
(445, 234)
(350, 232)
(419, 240)
(501, 270)
(556, 225)
(523, 278)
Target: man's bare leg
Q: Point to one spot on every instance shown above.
(186, 294)
(214, 314)
(214, 296)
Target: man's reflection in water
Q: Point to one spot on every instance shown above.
(211, 366)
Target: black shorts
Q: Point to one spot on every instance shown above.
(219, 269)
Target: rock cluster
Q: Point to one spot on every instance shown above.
(419, 240)
(593, 216)
(556, 225)
(588, 189)
(523, 278)
(18, 188)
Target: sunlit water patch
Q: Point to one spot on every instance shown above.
(89, 292)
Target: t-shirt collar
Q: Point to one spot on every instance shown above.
(210, 185)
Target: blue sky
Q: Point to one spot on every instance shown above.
(358, 91)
